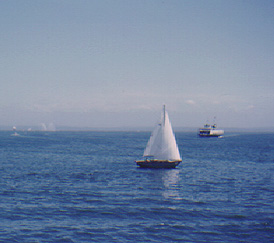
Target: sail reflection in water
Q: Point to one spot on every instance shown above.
(171, 184)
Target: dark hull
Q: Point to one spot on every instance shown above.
(203, 135)
(158, 164)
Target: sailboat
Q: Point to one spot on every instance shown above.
(161, 150)
(15, 133)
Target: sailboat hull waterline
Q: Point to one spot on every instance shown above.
(161, 150)
(158, 164)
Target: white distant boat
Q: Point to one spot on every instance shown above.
(15, 133)
(161, 150)
(210, 131)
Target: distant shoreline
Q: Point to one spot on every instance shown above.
(131, 129)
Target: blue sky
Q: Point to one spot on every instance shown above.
(115, 63)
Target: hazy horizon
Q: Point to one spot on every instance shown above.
(109, 64)
(47, 128)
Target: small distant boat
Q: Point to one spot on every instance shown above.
(15, 133)
(161, 150)
(210, 131)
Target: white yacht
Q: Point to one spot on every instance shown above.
(210, 131)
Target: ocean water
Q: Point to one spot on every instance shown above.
(86, 187)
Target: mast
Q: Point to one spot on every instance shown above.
(164, 110)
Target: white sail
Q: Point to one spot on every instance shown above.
(162, 144)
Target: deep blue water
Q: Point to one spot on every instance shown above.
(85, 187)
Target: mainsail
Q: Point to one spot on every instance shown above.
(162, 144)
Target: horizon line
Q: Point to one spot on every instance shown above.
(127, 128)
